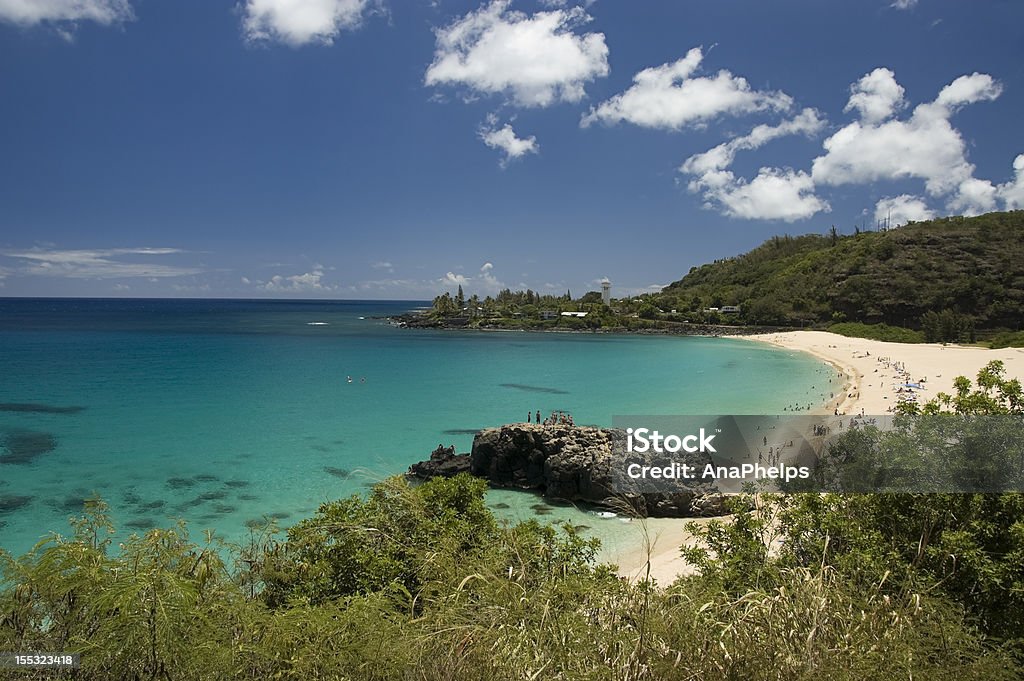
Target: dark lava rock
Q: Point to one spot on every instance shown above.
(443, 463)
(566, 463)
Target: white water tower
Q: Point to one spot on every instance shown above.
(606, 291)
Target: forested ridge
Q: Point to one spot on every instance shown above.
(971, 267)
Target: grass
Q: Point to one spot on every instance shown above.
(880, 332)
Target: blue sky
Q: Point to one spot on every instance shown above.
(386, 149)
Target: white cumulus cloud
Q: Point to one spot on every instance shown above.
(300, 22)
(879, 146)
(924, 146)
(1012, 193)
(537, 60)
(807, 122)
(877, 96)
(31, 12)
(775, 194)
(899, 210)
(976, 87)
(976, 196)
(973, 197)
(308, 282)
(485, 283)
(672, 96)
(452, 279)
(506, 140)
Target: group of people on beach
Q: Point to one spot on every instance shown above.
(774, 454)
(855, 421)
(557, 418)
(903, 386)
(774, 451)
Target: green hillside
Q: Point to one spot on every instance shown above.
(961, 273)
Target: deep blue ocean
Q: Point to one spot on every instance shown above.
(226, 412)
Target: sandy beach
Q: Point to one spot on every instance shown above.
(664, 536)
(874, 372)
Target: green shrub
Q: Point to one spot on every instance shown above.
(881, 332)
(1008, 339)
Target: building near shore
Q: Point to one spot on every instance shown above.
(606, 291)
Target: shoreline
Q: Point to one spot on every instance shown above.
(871, 380)
(877, 370)
(658, 543)
(870, 372)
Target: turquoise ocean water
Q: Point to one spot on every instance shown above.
(225, 412)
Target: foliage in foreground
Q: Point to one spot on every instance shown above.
(966, 549)
(422, 583)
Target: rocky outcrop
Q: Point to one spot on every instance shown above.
(566, 462)
(570, 463)
(443, 463)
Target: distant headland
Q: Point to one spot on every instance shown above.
(951, 280)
